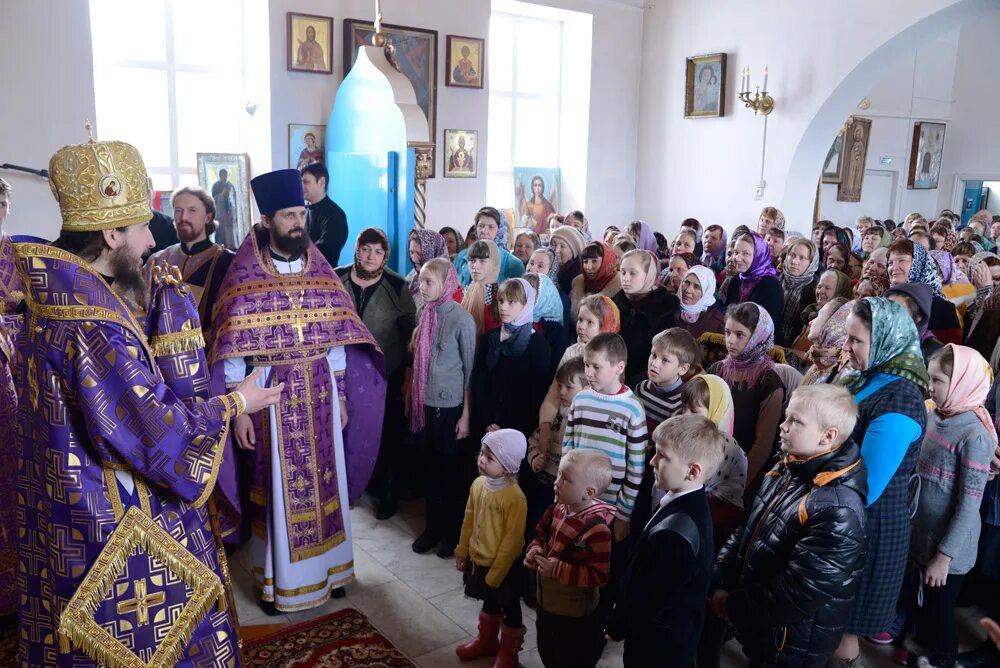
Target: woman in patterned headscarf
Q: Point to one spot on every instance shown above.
(423, 246)
(827, 333)
(798, 281)
(757, 280)
(889, 383)
(955, 285)
(758, 393)
(598, 274)
(911, 263)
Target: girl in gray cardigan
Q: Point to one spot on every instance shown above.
(953, 466)
(437, 393)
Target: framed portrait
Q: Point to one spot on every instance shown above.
(854, 157)
(461, 153)
(310, 43)
(705, 86)
(412, 50)
(833, 165)
(306, 144)
(536, 196)
(226, 176)
(925, 156)
(464, 58)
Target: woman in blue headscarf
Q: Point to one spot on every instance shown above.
(889, 382)
(491, 225)
(549, 316)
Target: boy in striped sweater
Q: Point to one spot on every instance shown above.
(571, 554)
(609, 418)
(674, 353)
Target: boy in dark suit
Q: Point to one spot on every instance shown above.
(661, 607)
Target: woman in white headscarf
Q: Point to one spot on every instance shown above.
(699, 310)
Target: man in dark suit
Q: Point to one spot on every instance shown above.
(327, 222)
(661, 602)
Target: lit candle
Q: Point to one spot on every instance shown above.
(765, 78)
(748, 78)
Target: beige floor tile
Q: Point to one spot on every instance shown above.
(407, 619)
(445, 657)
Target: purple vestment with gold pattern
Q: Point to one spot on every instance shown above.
(292, 325)
(116, 558)
(11, 296)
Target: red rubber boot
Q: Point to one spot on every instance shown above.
(511, 641)
(486, 642)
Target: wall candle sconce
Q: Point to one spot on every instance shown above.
(762, 104)
(760, 101)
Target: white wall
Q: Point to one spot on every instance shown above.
(972, 139)
(824, 57)
(48, 96)
(919, 87)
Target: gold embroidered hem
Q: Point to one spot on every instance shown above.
(176, 343)
(138, 534)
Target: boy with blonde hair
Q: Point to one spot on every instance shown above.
(661, 609)
(786, 580)
(571, 554)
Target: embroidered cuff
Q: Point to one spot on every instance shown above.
(236, 403)
(339, 376)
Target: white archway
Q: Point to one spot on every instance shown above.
(803, 170)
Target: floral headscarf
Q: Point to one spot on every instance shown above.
(895, 347)
(422, 345)
(432, 245)
(706, 277)
(747, 368)
(553, 262)
(549, 305)
(612, 321)
(950, 273)
(971, 379)
(760, 266)
(923, 270)
(793, 286)
(826, 352)
(607, 271)
(950, 239)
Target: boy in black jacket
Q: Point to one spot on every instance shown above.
(661, 606)
(787, 579)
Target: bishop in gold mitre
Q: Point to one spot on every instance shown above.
(117, 563)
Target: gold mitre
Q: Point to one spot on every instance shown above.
(99, 185)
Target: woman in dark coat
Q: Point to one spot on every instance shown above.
(757, 280)
(889, 383)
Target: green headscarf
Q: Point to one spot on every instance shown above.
(895, 347)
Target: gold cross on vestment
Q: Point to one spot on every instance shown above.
(296, 304)
(142, 602)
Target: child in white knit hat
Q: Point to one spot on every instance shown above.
(489, 549)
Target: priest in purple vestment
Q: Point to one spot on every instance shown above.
(283, 311)
(117, 564)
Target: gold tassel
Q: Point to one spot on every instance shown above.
(176, 343)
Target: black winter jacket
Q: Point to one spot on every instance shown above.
(792, 571)
(641, 320)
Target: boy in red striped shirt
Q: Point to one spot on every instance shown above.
(572, 556)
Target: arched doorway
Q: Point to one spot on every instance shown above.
(799, 197)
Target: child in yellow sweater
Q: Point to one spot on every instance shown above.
(490, 547)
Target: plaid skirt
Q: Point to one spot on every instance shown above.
(888, 532)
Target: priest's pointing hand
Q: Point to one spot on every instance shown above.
(256, 398)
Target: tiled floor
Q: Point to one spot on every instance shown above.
(416, 601)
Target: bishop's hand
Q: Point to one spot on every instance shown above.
(258, 397)
(243, 432)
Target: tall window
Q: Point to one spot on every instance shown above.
(169, 78)
(526, 69)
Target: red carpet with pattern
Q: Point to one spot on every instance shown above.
(342, 638)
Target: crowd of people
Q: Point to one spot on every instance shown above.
(738, 433)
(825, 406)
